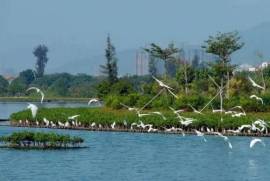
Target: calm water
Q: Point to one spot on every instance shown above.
(133, 156)
(7, 108)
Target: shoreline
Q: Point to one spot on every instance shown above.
(244, 134)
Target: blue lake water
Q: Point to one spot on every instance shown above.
(134, 156)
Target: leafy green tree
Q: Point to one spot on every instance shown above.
(3, 86)
(110, 68)
(223, 45)
(27, 76)
(167, 55)
(40, 52)
(185, 75)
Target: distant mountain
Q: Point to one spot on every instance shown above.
(256, 39)
(67, 56)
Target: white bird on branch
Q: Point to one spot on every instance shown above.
(38, 91)
(257, 98)
(254, 84)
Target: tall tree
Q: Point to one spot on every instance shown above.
(223, 45)
(167, 55)
(40, 52)
(110, 69)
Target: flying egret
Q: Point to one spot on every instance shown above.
(142, 115)
(160, 114)
(254, 84)
(33, 109)
(73, 117)
(257, 98)
(169, 89)
(38, 91)
(130, 108)
(151, 129)
(133, 124)
(254, 141)
(194, 110)
(161, 84)
(200, 134)
(93, 100)
(244, 126)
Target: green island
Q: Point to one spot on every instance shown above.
(40, 140)
(105, 117)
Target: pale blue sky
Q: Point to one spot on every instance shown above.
(84, 24)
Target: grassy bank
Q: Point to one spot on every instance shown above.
(106, 117)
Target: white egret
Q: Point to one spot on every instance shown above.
(38, 91)
(46, 121)
(254, 141)
(73, 117)
(257, 98)
(194, 110)
(160, 114)
(93, 100)
(169, 89)
(33, 109)
(254, 84)
(200, 134)
(113, 125)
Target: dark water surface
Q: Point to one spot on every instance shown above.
(134, 156)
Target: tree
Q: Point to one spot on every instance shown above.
(166, 54)
(110, 69)
(152, 66)
(185, 75)
(40, 52)
(223, 45)
(27, 76)
(3, 85)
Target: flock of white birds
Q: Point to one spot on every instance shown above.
(237, 111)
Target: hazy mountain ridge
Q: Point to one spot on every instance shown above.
(78, 58)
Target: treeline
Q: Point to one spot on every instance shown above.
(54, 85)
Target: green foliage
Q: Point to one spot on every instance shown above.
(3, 86)
(166, 54)
(106, 117)
(27, 139)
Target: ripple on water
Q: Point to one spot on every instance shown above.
(133, 156)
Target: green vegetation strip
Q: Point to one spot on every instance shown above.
(106, 117)
(40, 140)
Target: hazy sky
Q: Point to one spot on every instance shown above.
(131, 23)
